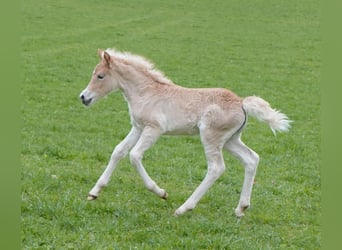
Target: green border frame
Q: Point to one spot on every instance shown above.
(10, 126)
(331, 124)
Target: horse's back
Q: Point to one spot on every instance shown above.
(178, 110)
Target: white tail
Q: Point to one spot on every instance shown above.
(260, 109)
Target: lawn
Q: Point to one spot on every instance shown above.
(265, 48)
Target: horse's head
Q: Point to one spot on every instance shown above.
(103, 80)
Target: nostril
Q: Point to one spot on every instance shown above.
(82, 97)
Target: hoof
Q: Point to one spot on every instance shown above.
(177, 213)
(91, 197)
(180, 211)
(165, 196)
(239, 212)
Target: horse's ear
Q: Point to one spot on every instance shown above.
(107, 58)
(100, 52)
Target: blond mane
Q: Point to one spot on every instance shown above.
(141, 64)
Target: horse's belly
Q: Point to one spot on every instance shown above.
(193, 130)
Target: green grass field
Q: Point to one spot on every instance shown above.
(266, 48)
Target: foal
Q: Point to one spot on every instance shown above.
(158, 107)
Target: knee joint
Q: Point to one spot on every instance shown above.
(216, 171)
(134, 157)
(252, 163)
(119, 153)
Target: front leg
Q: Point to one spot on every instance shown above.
(119, 152)
(148, 137)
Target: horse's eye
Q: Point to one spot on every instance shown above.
(100, 77)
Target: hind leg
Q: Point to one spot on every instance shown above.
(215, 169)
(212, 141)
(250, 160)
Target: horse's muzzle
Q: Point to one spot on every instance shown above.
(85, 101)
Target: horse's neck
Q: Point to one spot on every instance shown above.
(138, 85)
(133, 88)
(142, 90)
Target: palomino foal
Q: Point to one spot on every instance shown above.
(157, 106)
